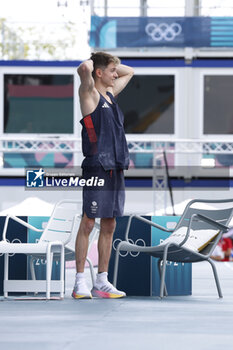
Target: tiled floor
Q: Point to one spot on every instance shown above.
(201, 321)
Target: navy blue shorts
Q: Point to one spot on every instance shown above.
(103, 201)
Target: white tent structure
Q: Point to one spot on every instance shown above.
(31, 206)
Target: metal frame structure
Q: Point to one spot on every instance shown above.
(191, 7)
(193, 222)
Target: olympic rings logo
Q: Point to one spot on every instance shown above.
(163, 31)
(139, 242)
(15, 240)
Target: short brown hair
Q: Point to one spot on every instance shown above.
(102, 60)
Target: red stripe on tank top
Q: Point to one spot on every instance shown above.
(90, 129)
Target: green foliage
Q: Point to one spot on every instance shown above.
(40, 41)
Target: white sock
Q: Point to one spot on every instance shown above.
(79, 277)
(80, 286)
(101, 278)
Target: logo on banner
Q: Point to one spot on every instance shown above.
(139, 242)
(35, 178)
(163, 31)
(15, 240)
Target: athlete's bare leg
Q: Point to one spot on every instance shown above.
(82, 241)
(107, 228)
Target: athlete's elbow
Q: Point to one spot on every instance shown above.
(85, 67)
(131, 71)
(81, 69)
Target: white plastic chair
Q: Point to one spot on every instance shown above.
(70, 245)
(59, 232)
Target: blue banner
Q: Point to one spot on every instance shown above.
(127, 32)
(178, 275)
(221, 33)
(138, 273)
(132, 265)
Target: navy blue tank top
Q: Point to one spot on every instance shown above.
(103, 137)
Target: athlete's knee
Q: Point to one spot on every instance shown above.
(87, 224)
(108, 225)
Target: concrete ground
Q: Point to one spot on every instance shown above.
(200, 321)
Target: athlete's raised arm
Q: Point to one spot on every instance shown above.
(85, 72)
(125, 73)
(87, 91)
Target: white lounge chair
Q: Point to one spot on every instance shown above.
(57, 238)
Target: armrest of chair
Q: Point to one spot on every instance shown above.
(77, 216)
(146, 221)
(216, 224)
(8, 217)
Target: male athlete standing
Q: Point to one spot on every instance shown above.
(106, 156)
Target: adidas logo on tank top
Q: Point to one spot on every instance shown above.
(105, 105)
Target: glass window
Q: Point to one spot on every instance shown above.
(165, 8)
(218, 104)
(123, 8)
(152, 8)
(99, 8)
(148, 104)
(216, 8)
(117, 8)
(38, 104)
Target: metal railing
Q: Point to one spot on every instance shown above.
(158, 159)
(71, 144)
(182, 152)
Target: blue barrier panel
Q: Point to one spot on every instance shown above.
(178, 275)
(134, 268)
(114, 32)
(17, 263)
(138, 273)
